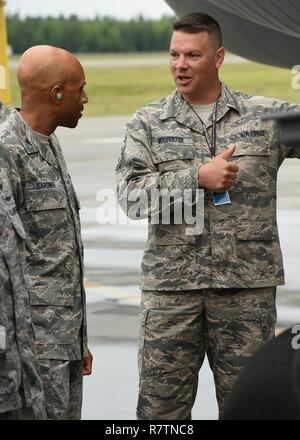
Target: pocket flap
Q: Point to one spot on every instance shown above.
(172, 152)
(44, 200)
(44, 337)
(51, 294)
(249, 149)
(255, 231)
(169, 235)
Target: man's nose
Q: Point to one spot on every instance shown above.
(85, 98)
(181, 63)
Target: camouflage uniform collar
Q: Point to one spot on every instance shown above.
(176, 107)
(227, 100)
(30, 139)
(24, 130)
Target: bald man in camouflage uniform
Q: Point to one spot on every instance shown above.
(52, 91)
(214, 292)
(21, 391)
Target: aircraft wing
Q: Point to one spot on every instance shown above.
(265, 31)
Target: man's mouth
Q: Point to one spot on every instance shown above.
(184, 79)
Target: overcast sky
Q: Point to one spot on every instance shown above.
(89, 8)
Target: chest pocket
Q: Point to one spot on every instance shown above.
(251, 148)
(253, 160)
(46, 216)
(41, 200)
(173, 155)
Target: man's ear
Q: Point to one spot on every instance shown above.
(219, 57)
(57, 94)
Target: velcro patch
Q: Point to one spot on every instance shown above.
(33, 186)
(170, 139)
(247, 134)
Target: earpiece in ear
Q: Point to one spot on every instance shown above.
(59, 96)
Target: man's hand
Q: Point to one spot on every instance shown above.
(218, 175)
(87, 364)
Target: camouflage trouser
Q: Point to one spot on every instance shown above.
(19, 414)
(178, 328)
(62, 381)
(34, 412)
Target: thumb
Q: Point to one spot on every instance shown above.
(228, 153)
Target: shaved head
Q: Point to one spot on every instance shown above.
(52, 83)
(40, 67)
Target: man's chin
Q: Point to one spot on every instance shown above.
(69, 124)
(184, 90)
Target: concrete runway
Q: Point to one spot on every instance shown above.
(112, 259)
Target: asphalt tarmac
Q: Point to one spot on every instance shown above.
(113, 254)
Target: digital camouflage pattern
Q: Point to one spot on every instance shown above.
(62, 382)
(4, 112)
(239, 247)
(49, 210)
(20, 383)
(176, 329)
(212, 292)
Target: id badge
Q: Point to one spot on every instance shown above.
(221, 198)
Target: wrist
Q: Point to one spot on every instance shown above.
(201, 179)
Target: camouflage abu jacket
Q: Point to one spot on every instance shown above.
(49, 210)
(18, 365)
(239, 246)
(4, 112)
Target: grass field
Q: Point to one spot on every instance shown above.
(120, 90)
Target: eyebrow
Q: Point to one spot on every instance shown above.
(193, 51)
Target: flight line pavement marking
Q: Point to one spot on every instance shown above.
(103, 292)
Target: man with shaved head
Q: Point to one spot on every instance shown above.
(52, 94)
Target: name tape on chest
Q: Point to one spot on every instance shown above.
(35, 186)
(170, 139)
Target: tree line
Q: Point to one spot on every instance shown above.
(98, 35)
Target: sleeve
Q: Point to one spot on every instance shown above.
(286, 151)
(7, 163)
(139, 180)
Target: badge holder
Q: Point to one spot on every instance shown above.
(221, 198)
